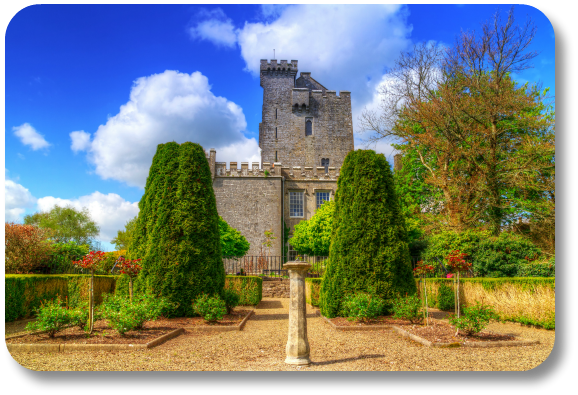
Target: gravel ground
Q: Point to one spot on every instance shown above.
(261, 346)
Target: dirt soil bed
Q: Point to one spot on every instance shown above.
(103, 334)
(436, 331)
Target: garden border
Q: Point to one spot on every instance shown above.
(498, 343)
(62, 347)
(221, 328)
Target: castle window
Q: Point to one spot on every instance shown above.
(308, 127)
(275, 113)
(275, 132)
(321, 197)
(296, 204)
(276, 160)
(325, 163)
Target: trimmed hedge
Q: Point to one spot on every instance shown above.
(528, 300)
(249, 288)
(25, 292)
(312, 289)
(369, 243)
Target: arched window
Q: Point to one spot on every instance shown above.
(308, 127)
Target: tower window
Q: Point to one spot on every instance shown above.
(275, 132)
(276, 160)
(308, 127)
(275, 113)
(325, 163)
(322, 197)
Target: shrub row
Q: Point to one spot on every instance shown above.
(25, 292)
(312, 288)
(249, 288)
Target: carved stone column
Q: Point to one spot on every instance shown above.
(297, 344)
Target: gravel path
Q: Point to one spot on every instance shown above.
(261, 346)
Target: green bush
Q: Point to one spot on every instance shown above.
(362, 306)
(408, 308)
(233, 243)
(52, 317)
(369, 243)
(79, 315)
(313, 236)
(211, 308)
(249, 289)
(445, 297)
(543, 268)
(474, 318)
(124, 315)
(177, 230)
(231, 299)
(63, 254)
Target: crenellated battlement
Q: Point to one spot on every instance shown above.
(275, 170)
(282, 65)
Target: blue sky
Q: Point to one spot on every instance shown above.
(92, 89)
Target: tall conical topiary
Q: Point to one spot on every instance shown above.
(369, 245)
(177, 231)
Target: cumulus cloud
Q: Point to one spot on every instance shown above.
(214, 26)
(80, 141)
(169, 106)
(29, 136)
(16, 199)
(110, 212)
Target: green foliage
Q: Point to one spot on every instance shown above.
(502, 256)
(445, 298)
(26, 247)
(123, 237)
(79, 315)
(177, 231)
(362, 306)
(408, 308)
(313, 287)
(211, 308)
(313, 236)
(24, 293)
(538, 269)
(67, 223)
(52, 317)
(231, 299)
(233, 243)
(62, 255)
(474, 318)
(249, 289)
(124, 315)
(369, 245)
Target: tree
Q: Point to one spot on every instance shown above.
(369, 245)
(26, 247)
(177, 230)
(313, 237)
(233, 243)
(67, 223)
(123, 237)
(479, 134)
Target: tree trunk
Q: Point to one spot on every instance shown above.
(91, 303)
(130, 288)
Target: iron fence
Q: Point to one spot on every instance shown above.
(270, 266)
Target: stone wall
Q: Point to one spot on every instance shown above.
(251, 205)
(276, 288)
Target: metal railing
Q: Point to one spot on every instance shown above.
(270, 266)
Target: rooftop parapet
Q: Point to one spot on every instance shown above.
(275, 170)
(278, 65)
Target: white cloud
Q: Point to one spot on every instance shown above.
(29, 136)
(80, 141)
(16, 200)
(345, 47)
(214, 27)
(110, 212)
(165, 107)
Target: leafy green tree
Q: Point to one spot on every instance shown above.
(123, 237)
(233, 243)
(369, 244)
(177, 231)
(313, 237)
(67, 224)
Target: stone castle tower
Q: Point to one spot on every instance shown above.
(304, 136)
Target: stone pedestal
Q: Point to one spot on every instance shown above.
(297, 344)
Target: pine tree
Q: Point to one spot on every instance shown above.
(369, 243)
(177, 231)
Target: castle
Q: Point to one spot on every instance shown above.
(305, 134)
